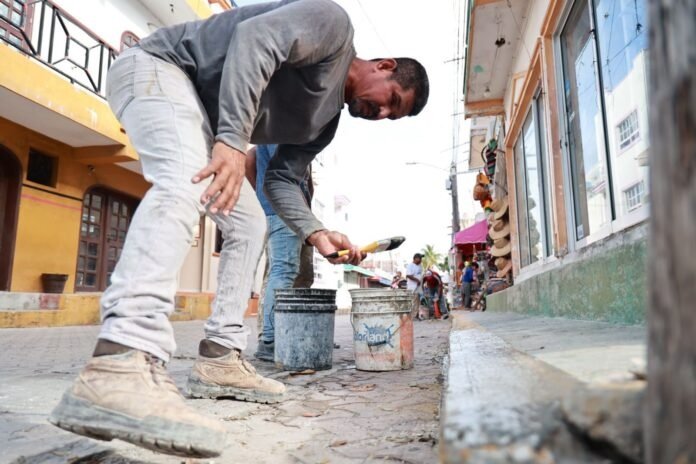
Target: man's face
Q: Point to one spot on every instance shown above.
(417, 260)
(376, 96)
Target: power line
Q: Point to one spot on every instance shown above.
(369, 20)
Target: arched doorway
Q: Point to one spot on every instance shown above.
(106, 216)
(10, 182)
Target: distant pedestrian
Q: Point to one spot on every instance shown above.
(398, 281)
(414, 279)
(467, 282)
(434, 291)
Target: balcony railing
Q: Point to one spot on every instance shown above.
(60, 42)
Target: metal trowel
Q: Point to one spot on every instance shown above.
(374, 247)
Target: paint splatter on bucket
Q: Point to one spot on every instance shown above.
(382, 329)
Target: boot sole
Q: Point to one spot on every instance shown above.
(85, 418)
(198, 389)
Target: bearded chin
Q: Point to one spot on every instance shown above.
(354, 108)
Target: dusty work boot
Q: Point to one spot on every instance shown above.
(222, 372)
(265, 351)
(130, 396)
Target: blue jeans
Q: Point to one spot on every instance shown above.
(284, 265)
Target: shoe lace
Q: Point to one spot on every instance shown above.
(247, 365)
(160, 375)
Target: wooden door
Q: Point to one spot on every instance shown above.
(106, 216)
(10, 181)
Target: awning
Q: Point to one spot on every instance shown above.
(358, 269)
(474, 234)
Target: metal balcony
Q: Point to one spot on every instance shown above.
(47, 33)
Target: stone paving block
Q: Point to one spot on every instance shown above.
(330, 416)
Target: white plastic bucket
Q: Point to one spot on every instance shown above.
(382, 329)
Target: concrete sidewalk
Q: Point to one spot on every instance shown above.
(339, 416)
(590, 351)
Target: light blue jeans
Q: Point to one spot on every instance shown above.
(284, 265)
(165, 121)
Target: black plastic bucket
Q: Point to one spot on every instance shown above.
(304, 328)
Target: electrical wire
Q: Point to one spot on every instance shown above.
(374, 29)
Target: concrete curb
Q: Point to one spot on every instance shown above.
(501, 405)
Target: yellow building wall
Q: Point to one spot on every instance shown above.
(48, 224)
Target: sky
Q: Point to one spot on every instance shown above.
(388, 197)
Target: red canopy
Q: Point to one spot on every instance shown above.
(474, 234)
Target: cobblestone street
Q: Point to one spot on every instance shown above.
(340, 415)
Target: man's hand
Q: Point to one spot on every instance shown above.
(328, 242)
(227, 167)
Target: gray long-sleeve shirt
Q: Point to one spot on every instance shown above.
(269, 73)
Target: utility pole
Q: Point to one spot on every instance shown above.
(670, 415)
(455, 199)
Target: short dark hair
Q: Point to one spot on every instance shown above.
(410, 74)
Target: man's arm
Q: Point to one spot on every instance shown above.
(285, 173)
(297, 34)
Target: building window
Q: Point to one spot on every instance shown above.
(15, 19)
(106, 216)
(628, 130)
(42, 169)
(534, 228)
(604, 46)
(633, 196)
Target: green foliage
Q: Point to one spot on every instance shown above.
(430, 257)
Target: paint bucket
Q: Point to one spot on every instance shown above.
(382, 329)
(304, 328)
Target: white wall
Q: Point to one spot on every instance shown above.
(531, 27)
(110, 18)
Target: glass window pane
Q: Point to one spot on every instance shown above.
(16, 18)
(534, 202)
(83, 248)
(81, 264)
(94, 231)
(585, 128)
(90, 280)
(4, 11)
(115, 206)
(91, 264)
(622, 35)
(96, 201)
(80, 279)
(15, 40)
(93, 249)
(122, 224)
(520, 185)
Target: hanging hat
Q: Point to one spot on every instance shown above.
(480, 192)
(502, 272)
(502, 210)
(500, 263)
(481, 178)
(501, 248)
(499, 234)
(497, 224)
